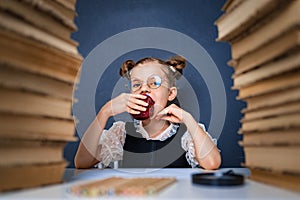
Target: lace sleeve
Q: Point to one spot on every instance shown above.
(112, 142)
(188, 145)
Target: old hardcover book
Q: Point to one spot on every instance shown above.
(291, 120)
(35, 127)
(278, 47)
(39, 63)
(233, 23)
(63, 11)
(267, 112)
(283, 137)
(40, 84)
(41, 59)
(26, 176)
(276, 83)
(284, 21)
(23, 152)
(272, 68)
(230, 5)
(277, 158)
(273, 98)
(38, 18)
(283, 180)
(23, 102)
(69, 4)
(11, 23)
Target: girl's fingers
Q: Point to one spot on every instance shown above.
(167, 111)
(139, 96)
(164, 113)
(140, 102)
(135, 106)
(132, 111)
(136, 99)
(171, 118)
(171, 113)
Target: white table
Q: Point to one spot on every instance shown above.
(182, 189)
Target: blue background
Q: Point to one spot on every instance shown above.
(98, 20)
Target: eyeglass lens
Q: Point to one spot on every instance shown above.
(153, 82)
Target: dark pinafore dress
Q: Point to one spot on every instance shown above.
(142, 153)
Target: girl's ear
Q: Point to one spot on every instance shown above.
(172, 93)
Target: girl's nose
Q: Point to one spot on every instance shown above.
(145, 88)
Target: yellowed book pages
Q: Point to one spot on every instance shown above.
(69, 4)
(63, 11)
(281, 180)
(277, 110)
(33, 127)
(277, 83)
(278, 122)
(41, 59)
(19, 79)
(38, 18)
(22, 152)
(20, 27)
(246, 14)
(284, 21)
(271, 138)
(28, 176)
(37, 136)
(273, 98)
(282, 45)
(277, 158)
(273, 68)
(230, 5)
(28, 103)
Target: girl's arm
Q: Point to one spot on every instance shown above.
(88, 151)
(207, 154)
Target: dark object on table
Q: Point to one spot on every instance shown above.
(228, 178)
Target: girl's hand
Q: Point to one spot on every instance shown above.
(131, 103)
(172, 114)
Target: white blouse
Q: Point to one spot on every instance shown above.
(113, 139)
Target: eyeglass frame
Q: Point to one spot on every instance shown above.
(148, 84)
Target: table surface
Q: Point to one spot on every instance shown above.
(182, 189)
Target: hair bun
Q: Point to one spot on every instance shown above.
(126, 67)
(178, 63)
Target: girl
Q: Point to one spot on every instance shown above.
(170, 137)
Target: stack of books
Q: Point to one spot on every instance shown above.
(264, 36)
(38, 68)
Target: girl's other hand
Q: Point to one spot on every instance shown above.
(172, 113)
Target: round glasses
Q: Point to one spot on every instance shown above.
(153, 82)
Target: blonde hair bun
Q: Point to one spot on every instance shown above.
(178, 63)
(126, 67)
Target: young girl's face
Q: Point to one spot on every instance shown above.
(145, 79)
